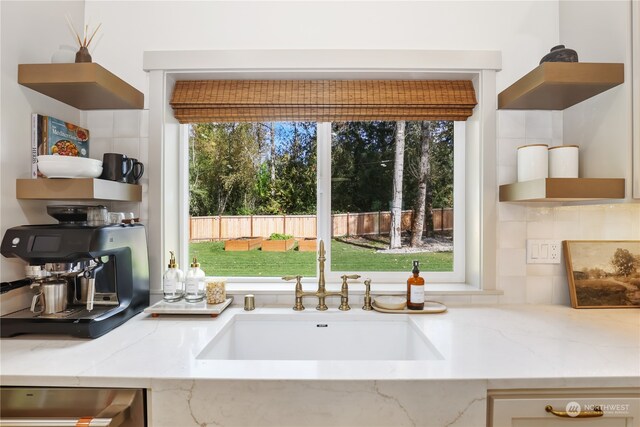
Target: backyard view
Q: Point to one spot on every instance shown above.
(253, 197)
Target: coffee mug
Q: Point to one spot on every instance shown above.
(137, 169)
(116, 167)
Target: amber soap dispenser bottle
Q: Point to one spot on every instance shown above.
(415, 289)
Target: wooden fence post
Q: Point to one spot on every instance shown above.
(348, 224)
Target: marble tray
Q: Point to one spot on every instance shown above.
(430, 307)
(183, 307)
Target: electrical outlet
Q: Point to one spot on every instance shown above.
(543, 251)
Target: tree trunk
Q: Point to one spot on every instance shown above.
(422, 202)
(395, 233)
(273, 158)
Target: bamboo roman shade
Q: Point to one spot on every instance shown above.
(197, 101)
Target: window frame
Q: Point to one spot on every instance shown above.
(323, 212)
(165, 67)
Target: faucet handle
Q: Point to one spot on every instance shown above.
(349, 276)
(298, 306)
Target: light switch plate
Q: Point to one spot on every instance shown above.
(541, 251)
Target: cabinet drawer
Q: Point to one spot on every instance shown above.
(580, 408)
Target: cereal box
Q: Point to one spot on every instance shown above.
(54, 136)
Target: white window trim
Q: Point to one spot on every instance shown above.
(165, 189)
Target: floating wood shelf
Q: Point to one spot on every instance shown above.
(77, 189)
(86, 86)
(563, 190)
(559, 85)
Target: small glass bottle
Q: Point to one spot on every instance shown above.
(172, 281)
(415, 289)
(194, 283)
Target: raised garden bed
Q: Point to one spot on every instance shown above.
(307, 245)
(278, 245)
(243, 244)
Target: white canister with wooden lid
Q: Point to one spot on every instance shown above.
(563, 161)
(533, 162)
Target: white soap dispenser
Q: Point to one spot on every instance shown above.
(194, 283)
(172, 281)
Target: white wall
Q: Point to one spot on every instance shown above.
(523, 30)
(31, 33)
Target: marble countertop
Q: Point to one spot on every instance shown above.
(507, 345)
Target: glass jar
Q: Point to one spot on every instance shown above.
(216, 291)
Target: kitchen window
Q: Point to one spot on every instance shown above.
(477, 133)
(232, 170)
(249, 181)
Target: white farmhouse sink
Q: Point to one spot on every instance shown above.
(319, 336)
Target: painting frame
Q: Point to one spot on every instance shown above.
(594, 285)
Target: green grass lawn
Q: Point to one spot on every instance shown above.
(345, 257)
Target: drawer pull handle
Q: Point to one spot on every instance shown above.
(597, 412)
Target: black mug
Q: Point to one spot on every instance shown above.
(116, 167)
(137, 169)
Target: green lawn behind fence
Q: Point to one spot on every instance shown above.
(345, 257)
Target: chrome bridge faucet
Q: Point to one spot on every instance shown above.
(321, 293)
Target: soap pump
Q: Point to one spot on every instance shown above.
(194, 283)
(415, 289)
(172, 281)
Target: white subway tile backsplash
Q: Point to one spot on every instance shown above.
(512, 212)
(100, 124)
(512, 234)
(507, 175)
(540, 269)
(514, 288)
(556, 126)
(512, 262)
(538, 124)
(539, 230)
(539, 289)
(98, 146)
(566, 230)
(511, 124)
(508, 150)
(560, 291)
(126, 123)
(536, 212)
(128, 146)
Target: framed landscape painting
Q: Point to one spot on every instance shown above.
(603, 273)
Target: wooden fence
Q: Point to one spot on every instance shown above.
(204, 228)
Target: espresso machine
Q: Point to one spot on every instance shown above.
(86, 279)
